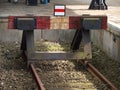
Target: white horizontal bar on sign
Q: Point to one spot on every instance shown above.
(59, 7)
(59, 13)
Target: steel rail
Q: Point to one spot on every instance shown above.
(89, 67)
(95, 72)
(37, 79)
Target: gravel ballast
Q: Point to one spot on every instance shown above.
(14, 74)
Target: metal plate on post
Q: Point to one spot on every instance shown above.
(25, 23)
(92, 23)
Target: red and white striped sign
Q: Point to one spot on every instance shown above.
(59, 10)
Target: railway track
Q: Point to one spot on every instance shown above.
(44, 79)
(83, 25)
(43, 69)
(59, 75)
(100, 76)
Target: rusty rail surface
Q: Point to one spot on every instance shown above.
(89, 67)
(37, 79)
(96, 73)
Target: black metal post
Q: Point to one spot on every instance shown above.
(23, 42)
(76, 40)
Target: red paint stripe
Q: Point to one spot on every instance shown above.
(104, 23)
(74, 22)
(59, 10)
(11, 22)
(43, 22)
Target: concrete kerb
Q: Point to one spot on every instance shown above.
(114, 28)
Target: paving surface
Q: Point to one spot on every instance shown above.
(73, 9)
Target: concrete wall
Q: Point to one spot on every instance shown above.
(108, 40)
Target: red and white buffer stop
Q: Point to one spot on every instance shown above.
(58, 23)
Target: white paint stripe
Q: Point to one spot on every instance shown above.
(60, 13)
(59, 7)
